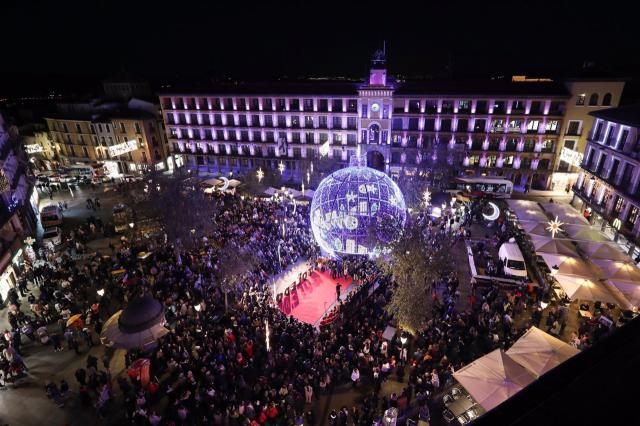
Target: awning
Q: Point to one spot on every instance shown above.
(583, 288)
(568, 264)
(553, 246)
(618, 271)
(493, 378)
(540, 352)
(566, 213)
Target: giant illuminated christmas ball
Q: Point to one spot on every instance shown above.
(357, 210)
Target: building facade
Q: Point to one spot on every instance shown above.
(18, 206)
(587, 95)
(124, 137)
(608, 186)
(498, 128)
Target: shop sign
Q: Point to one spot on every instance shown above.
(123, 148)
(571, 156)
(33, 148)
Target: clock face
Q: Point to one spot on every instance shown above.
(375, 107)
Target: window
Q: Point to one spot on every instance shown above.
(294, 104)
(464, 106)
(308, 104)
(413, 123)
(497, 125)
(570, 144)
(267, 105)
(322, 122)
(137, 126)
(547, 145)
(598, 132)
(633, 216)
(463, 125)
(122, 128)
(623, 138)
(337, 123)
(445, 125)
(606, 99)
(385, 111)
(580, 99)
(447, 107)
(515, 125)
(552, 126)
(573, 128)
(351, 123)
(610, 134)
(593, 99)
(365, 110)
(619, 204)
(532, 126)
(308, 121)
(396, 124)
(536, 108)
(517, 106)
(336, 105)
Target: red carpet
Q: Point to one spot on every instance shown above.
(309, 303)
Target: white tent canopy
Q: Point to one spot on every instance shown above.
(553, 246)
(586, 233)
(567, 264)
(583, 288)
(565, 213)
(540, 352)
(536, 228)
(493, 379)
(600, 250)
(628, 289)
(527, 210)
(618, 271)
(210, 182)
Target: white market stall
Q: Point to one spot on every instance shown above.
(540, 352)
(582, 288)
(493, 378)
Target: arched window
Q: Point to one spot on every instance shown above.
(606, 100)
(593, 99)
(374, 133)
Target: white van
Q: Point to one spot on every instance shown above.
(513, 260)
(51, 216)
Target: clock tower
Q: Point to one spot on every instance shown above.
(375, 107)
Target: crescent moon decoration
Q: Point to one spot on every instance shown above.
(225, 183)
(495, 213)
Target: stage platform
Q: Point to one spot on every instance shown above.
(314, 297)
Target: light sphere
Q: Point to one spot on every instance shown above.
(357, 210)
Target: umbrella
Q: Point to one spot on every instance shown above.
(618, 271)
(567, 264)
(566, 213)
(139, 325)
(582, 288)
(553, 246)
(535, 228)
(73, 319)
(586, 233)
(540, 352)
(596, 250)
(493, 379)
(629, 289)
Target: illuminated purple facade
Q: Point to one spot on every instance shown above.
(494, 127)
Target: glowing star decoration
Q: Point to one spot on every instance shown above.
(260, 174)
(495, 212)
(426, 197)
(357, 210)
(554, 226)
(281, 168)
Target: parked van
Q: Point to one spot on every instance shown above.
(51, 216)
(513, 260)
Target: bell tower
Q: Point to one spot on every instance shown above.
(375, 109)
(378, 71)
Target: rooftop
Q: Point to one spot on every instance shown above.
(350, 88)
(628, 114)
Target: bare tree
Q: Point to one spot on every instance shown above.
(415, 264)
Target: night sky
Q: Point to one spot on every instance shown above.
(74, 43)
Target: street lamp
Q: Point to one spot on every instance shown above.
(554, 270)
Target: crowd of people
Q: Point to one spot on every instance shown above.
(231, 356)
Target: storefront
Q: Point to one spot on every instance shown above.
(9, 276)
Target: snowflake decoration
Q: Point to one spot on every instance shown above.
(554, 226)
(427, 197)
(260, 174)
